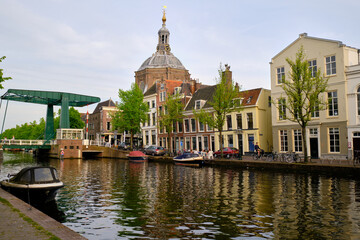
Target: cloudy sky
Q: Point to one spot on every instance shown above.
(93, 47)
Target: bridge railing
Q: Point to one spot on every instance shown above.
(23, 142)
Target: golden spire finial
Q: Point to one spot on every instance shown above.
(164, 17)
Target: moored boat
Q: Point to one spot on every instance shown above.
(189, 159)
(137, 156)
(34, 184)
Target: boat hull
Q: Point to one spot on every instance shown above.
(138, 159)
(190, 163)
(33, 192)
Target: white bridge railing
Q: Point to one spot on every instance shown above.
(25, 142)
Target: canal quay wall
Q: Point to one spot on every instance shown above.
(22, 221)
(325, 166)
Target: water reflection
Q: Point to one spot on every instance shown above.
(115, 199)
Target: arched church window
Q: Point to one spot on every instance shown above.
(358, 100)
(166, 39)
(162, 39)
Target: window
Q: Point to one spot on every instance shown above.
(153, 137)
(174, 127)
(330, 65)
(333, 103)
(250, 120)
(162, 86)
(206, 144)
(146, 137)
(313, 67)
(187, 127)
(280, 73)
(193, 143)
(162, 96)
(249, 99)
(154, 119)
(239, 121)
(315, 110)
(297, 140)
(148, 103)
(209, 128)
(282, 109)
(187, 143)
(269, 101)
(177, 90)
(283, 141)
(358, 101)
(193, 126)
(334, 138)
(148, 120)
(237, 102)
(153, 104)
(197, 104)
(229, 122)
(230, 141)
(201, 126)
(108, 126)
(180, 126)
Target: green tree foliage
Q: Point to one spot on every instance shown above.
(2, 79)
(223, 103)
(172, 114)
(302, 94)
(34, 130)
(131, 111)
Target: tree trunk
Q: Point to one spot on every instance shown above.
(303, 134)
(220, 141)
(131, 140)
(169, 144)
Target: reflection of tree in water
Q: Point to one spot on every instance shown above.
(129, 189)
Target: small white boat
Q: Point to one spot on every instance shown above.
(189, 159)
(34, 184)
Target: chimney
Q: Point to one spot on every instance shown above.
(228, 74)
(192, 86)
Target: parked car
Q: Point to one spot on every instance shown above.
(124, 146)
(227, 152)
(155, 151)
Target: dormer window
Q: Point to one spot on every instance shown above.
(177, 90)
(249, 100)
(199, 104)
(237, 102)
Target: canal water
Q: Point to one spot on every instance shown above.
(115, 199)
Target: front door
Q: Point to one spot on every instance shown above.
(314, 149)
(251, 142)
(240, 144)
(356, 146)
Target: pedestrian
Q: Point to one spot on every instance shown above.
(203, 154)
(210, 155)
(62, 153)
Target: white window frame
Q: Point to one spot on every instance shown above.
(334, 140)
(333, 104)
(330, 65)
(313, 67)
(297, 140)
(280, 72)
(283, 140)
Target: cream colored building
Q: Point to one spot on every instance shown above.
(353, 99)
(250, 125)
(327, 132)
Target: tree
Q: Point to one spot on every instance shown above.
(2, 79)
(222, 103)
(173, 114)
(131, 111)
(302, 92)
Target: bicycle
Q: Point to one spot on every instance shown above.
(292, 157)
(257, 155)
(273, 156)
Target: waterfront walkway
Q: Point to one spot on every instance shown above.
(21, 221)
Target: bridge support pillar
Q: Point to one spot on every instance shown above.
(64, 117)
(49, 125)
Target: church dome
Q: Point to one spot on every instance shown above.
(158, 60)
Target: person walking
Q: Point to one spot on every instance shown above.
(210, 155)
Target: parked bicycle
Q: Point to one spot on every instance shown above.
(273, 156)
(258, 155)
(292, 157)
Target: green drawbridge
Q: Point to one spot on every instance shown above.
(51, 99)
